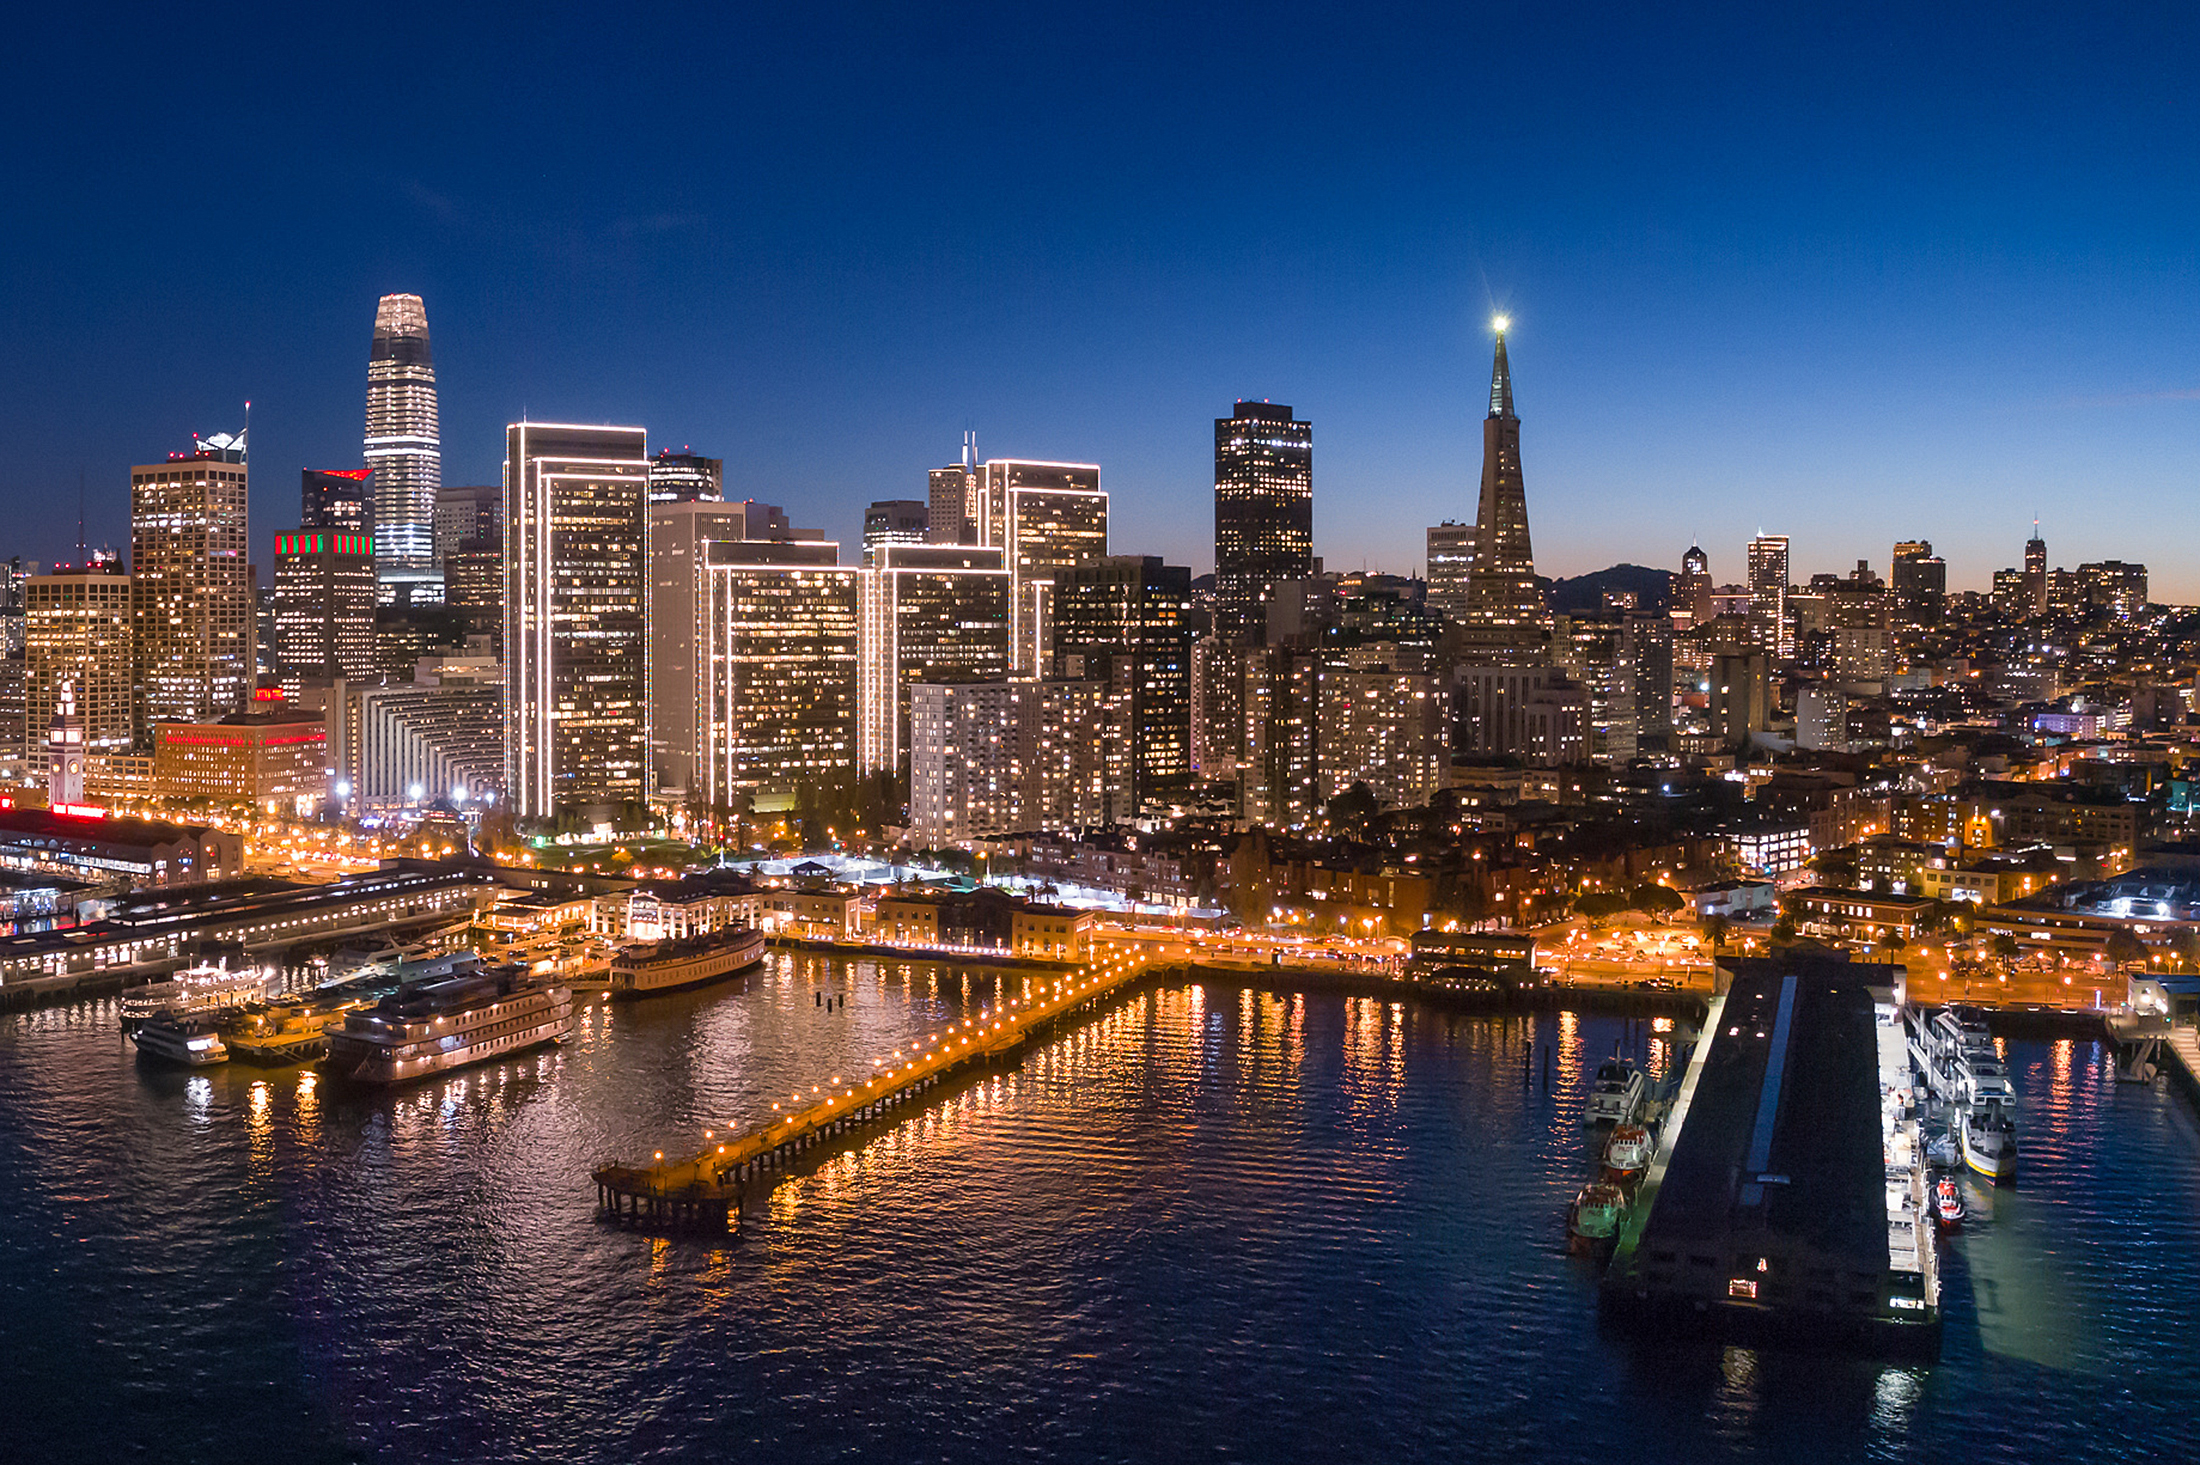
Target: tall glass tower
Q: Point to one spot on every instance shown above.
(404, 444)
(1264, 512)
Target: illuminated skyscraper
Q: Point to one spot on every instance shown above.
(1505, 612)
(895, 521)
(76, 632)
(1049, 517)
(686, 478)
(1450, 553)
(192, 598)
(1692, 588)
(338, 500)
(1129, 610)
(1264, 512)
(1768, 591)
(2035, 570)
(324, 607)
(575, 652)
(951, 503)
(404, 443)
(928, 609)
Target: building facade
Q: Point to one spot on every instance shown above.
(926, 610)
(1264, 512)
(1505, 614)
(1132, 608)
(337, 501)
(192, 601)
(77, 632)
(404, 437)
(324, 606)
(1387, 729)
(276, 762)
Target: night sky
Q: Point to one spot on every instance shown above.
(1869, 276)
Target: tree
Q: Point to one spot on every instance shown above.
(1714, 931)
(1783, 930)
(2124, 948)
(1598, 904)
(1656, 900)
(2003, 946)
(1352, 808)
(1894, 941)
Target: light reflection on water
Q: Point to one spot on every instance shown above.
(1213, 1221)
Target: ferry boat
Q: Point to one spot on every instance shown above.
(172, 1039)
(1627, 1153)
(1989, 1140)
(438, 1026)
(285, 1032)
(1616, 1092)
(1593, 1219)
(665, 966)
(199, 992)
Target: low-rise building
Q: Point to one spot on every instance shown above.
(276, 761)
(1855, 915)
(96, 846)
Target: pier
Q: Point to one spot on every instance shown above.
(703, 1192)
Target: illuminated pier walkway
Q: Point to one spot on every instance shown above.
(703, 1192)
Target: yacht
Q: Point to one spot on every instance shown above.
(171, 1039)
(666, 966)
(1616, 1093)
(199, 992)
(434, 1027)
(1989, 1139)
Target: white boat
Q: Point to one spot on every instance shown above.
(438, 1026)
(199, 992)
(666, 966)
(1989, 1141)
(1616, 1092)
(1627, 1154)
(174, 1040)
(1986, 1083)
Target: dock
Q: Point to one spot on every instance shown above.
(1787, 1198)
(703, 1192)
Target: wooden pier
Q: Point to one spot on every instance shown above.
(703, 1192)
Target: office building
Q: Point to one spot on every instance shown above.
(473, 588)
(1918, 580)
(77, 633)
(962, 761)
(413, 743)
(191, 590)
(337, 501)
(467, 513)
(1450, 556)
(1390, 730)
(1506, 709)
(1692, 590)
(324, 607)
(1046, 518)
(686, 478)
(575, 648)
(894, 521)
(1264, 512)
(1624, 658)
(275, 761)
(404, 438)
(1741, 697)
(1131, 609)
(1505, 616)
(951, 500)
(1768, 592)
(754, 649)
(926, 610)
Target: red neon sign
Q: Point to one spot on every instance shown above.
(81, 811)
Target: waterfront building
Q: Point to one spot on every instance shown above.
(192, 601)
(926, 610)
(337, 500)
(1390, 730)
(77, 630)
(276, 761)
(1131, 609)
(575, 648)
(411, 743)
(754, 650)
(65, 754)
(894, 521)
(1505, 615)
(686, 478)
(99, 847)
(404, 437)
(1768, 593)
(1450, 557)
(1264, 512)
(324, 606)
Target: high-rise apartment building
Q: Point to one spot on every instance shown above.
(686, 478)
(1046, 517)
(1218, 707)
(1390, 730)
(1450, 556)
(753, 647)
(337, 501)
(404, 440)
(1918, 580)
(191, 590)
(77, 628)
(575, 648)
(895, 521)
(324, 607)
(2113, 588)
(1505, 614)
(1280, 772)
(1131, 609)
(926, 610)
(1264, 512)
(1768, 591)
(962, 761)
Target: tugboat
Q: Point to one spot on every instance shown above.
(1947, 1204)
(1990, 1143)
(170, 1039)
(1593, 1219)
(1627, 1153)
(1616, 1093)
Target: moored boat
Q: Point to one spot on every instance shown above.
(1593, 1219)
(171, 1039)
(667, 966)
(199, 992)
(1627, 1153)
(1989, 1142)
(1616, 1093)
(438, 1026)
(1947, 1204)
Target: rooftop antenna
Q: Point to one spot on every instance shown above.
(970, 450)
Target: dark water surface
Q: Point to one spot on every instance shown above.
(1214, 1224)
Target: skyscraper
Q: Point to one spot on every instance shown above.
(404, 442)
(1450, 553)
(1692, 589)
(895, 521)
(337, 500)
(951, 500)
(77, 631)
(1768, 589)
(575, 652)
(927, 609)
(1505, 610)
(1918, 580)
(1264, 511)
(2035, 569)
(324, 607)
(1052, 517)
(192, 600)
(1130, 609)
(686, 478)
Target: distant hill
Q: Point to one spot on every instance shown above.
(1653, 588)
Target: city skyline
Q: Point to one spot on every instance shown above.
(1706, 337)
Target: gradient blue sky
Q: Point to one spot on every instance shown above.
(1858, 276)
